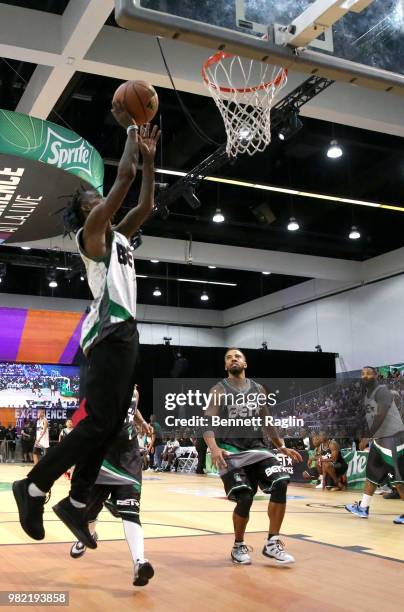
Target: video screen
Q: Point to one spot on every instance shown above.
(29, 387)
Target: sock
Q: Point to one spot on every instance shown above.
(135, 540)
(91, 526)
(34, 491)
(238, 542)
(365, 503)
(271, 535)
(76, 504)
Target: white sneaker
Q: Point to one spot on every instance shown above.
(239, 554)
(382, 490)
(275, 549)
(78, 549)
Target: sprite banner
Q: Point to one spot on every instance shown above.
(39, 162)
(356, 461)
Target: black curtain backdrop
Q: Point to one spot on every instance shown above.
(159, 361)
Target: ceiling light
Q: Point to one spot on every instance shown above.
(244, 134)
(51, 277)
(157, 292)
(212, 267)
(155, 261)
(266, 273)
(61, 268)
(218, 216)
(26, 248)
(3, 270)
(81, 277)
(354, 234)
(204, 297)
(334, 150)
(293, 225)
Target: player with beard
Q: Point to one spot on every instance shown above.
(386, 453)
(246, 463)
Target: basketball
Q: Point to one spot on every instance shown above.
(140, 100)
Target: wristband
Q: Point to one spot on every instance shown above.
(131, 127)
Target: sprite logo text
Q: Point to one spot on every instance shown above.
(67, 154)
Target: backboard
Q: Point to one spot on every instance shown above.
(360, 41)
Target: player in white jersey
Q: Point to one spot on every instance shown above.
(109, 338)
(41, 444)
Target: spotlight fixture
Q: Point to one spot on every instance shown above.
(167, 341)
(212, 267)
(218, 216)
(191, 198)
(204, 296)
(318, 348)
(154, 261)
(81, 277)
(293, 225)
(157, 292)
(51, 275)
(26, 248)
(334, 150)
(354, 234)
(291, 126)
(266, 273)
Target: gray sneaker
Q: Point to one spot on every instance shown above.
(239, 554)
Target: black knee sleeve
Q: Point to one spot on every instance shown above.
(244, 501)
(278, 493)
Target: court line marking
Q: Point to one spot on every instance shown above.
(300, 537)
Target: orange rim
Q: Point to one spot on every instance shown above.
(214, 59)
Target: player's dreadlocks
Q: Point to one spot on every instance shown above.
(73, 218)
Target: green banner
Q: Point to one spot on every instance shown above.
(52, 144)
(356, 473)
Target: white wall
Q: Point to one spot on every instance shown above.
(363, 325)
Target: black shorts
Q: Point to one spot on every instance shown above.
(125, 499)
(263, 474)
(386, 456)
(39, 450)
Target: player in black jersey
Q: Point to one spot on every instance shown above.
(246, 463)
(118, 488)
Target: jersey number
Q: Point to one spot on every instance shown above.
(124, 255)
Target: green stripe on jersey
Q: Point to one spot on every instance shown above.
(116, 310)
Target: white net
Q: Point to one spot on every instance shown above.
(244, 91)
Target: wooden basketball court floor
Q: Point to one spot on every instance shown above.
(342, 562)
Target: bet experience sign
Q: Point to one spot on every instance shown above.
(39, 162)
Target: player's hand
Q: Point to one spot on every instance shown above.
(122, 117)
(294, 454)
(148, 142)
(218, 458)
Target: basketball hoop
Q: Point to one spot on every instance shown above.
(244, 90)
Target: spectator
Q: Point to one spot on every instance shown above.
(157, 445)
(11, 435)
(169, 452)
(334, 467)
(27, 441)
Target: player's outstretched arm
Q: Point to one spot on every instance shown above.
(138, 215)
(99, 217)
